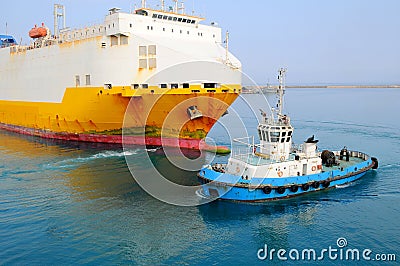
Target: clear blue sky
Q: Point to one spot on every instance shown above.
(319, 41)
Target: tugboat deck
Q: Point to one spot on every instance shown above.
(343, 164)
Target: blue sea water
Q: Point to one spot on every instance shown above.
(74, 203)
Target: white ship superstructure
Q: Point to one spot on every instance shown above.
(146, 51)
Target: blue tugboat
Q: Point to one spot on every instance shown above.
(276, 169)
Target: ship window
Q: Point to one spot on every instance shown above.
(163, 29)
(142, 63)
(283, 140)
(265, 135)
(175, 18)
(210, 85)
(189, 21)
(130, 25)
(169, 18)
(151, 27)
(136, 86)
(260, 135)
(148, 27)
(88, 80)
(77, 81)
(154, 15)
(174, 85)
(275, 136)
(188, 32)
(172, 30)
(290, 133)
(186, 85)
(181, 31)
(179, 19)
(113, 25)
(184, 20)
(152, 63)
(145, 86)
(163, 86)
(288, 139)
(152, 50)
(160, 16)
(124, 40)
(114, 40)
(193, 21)
(283, 134)
(213, 35)
(165, 17)
(142, 51)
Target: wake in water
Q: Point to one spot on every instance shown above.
(389, 166)
(71, 163)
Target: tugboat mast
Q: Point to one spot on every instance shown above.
(281, 91)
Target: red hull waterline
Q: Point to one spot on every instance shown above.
(194, 144)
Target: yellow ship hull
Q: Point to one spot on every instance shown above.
(96, 114)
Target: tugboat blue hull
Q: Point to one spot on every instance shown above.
(230, 187)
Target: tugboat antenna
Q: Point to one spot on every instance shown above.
(281, 90)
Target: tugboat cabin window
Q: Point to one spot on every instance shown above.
(260, 135)
(275, 136)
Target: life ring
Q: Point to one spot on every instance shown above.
(267, 189)
(281, 190)
(305, 187)
(237, 170)
(280, 173)
(313, 168)
(294, 188)
(283, 158)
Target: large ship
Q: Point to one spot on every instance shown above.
(173, 74)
